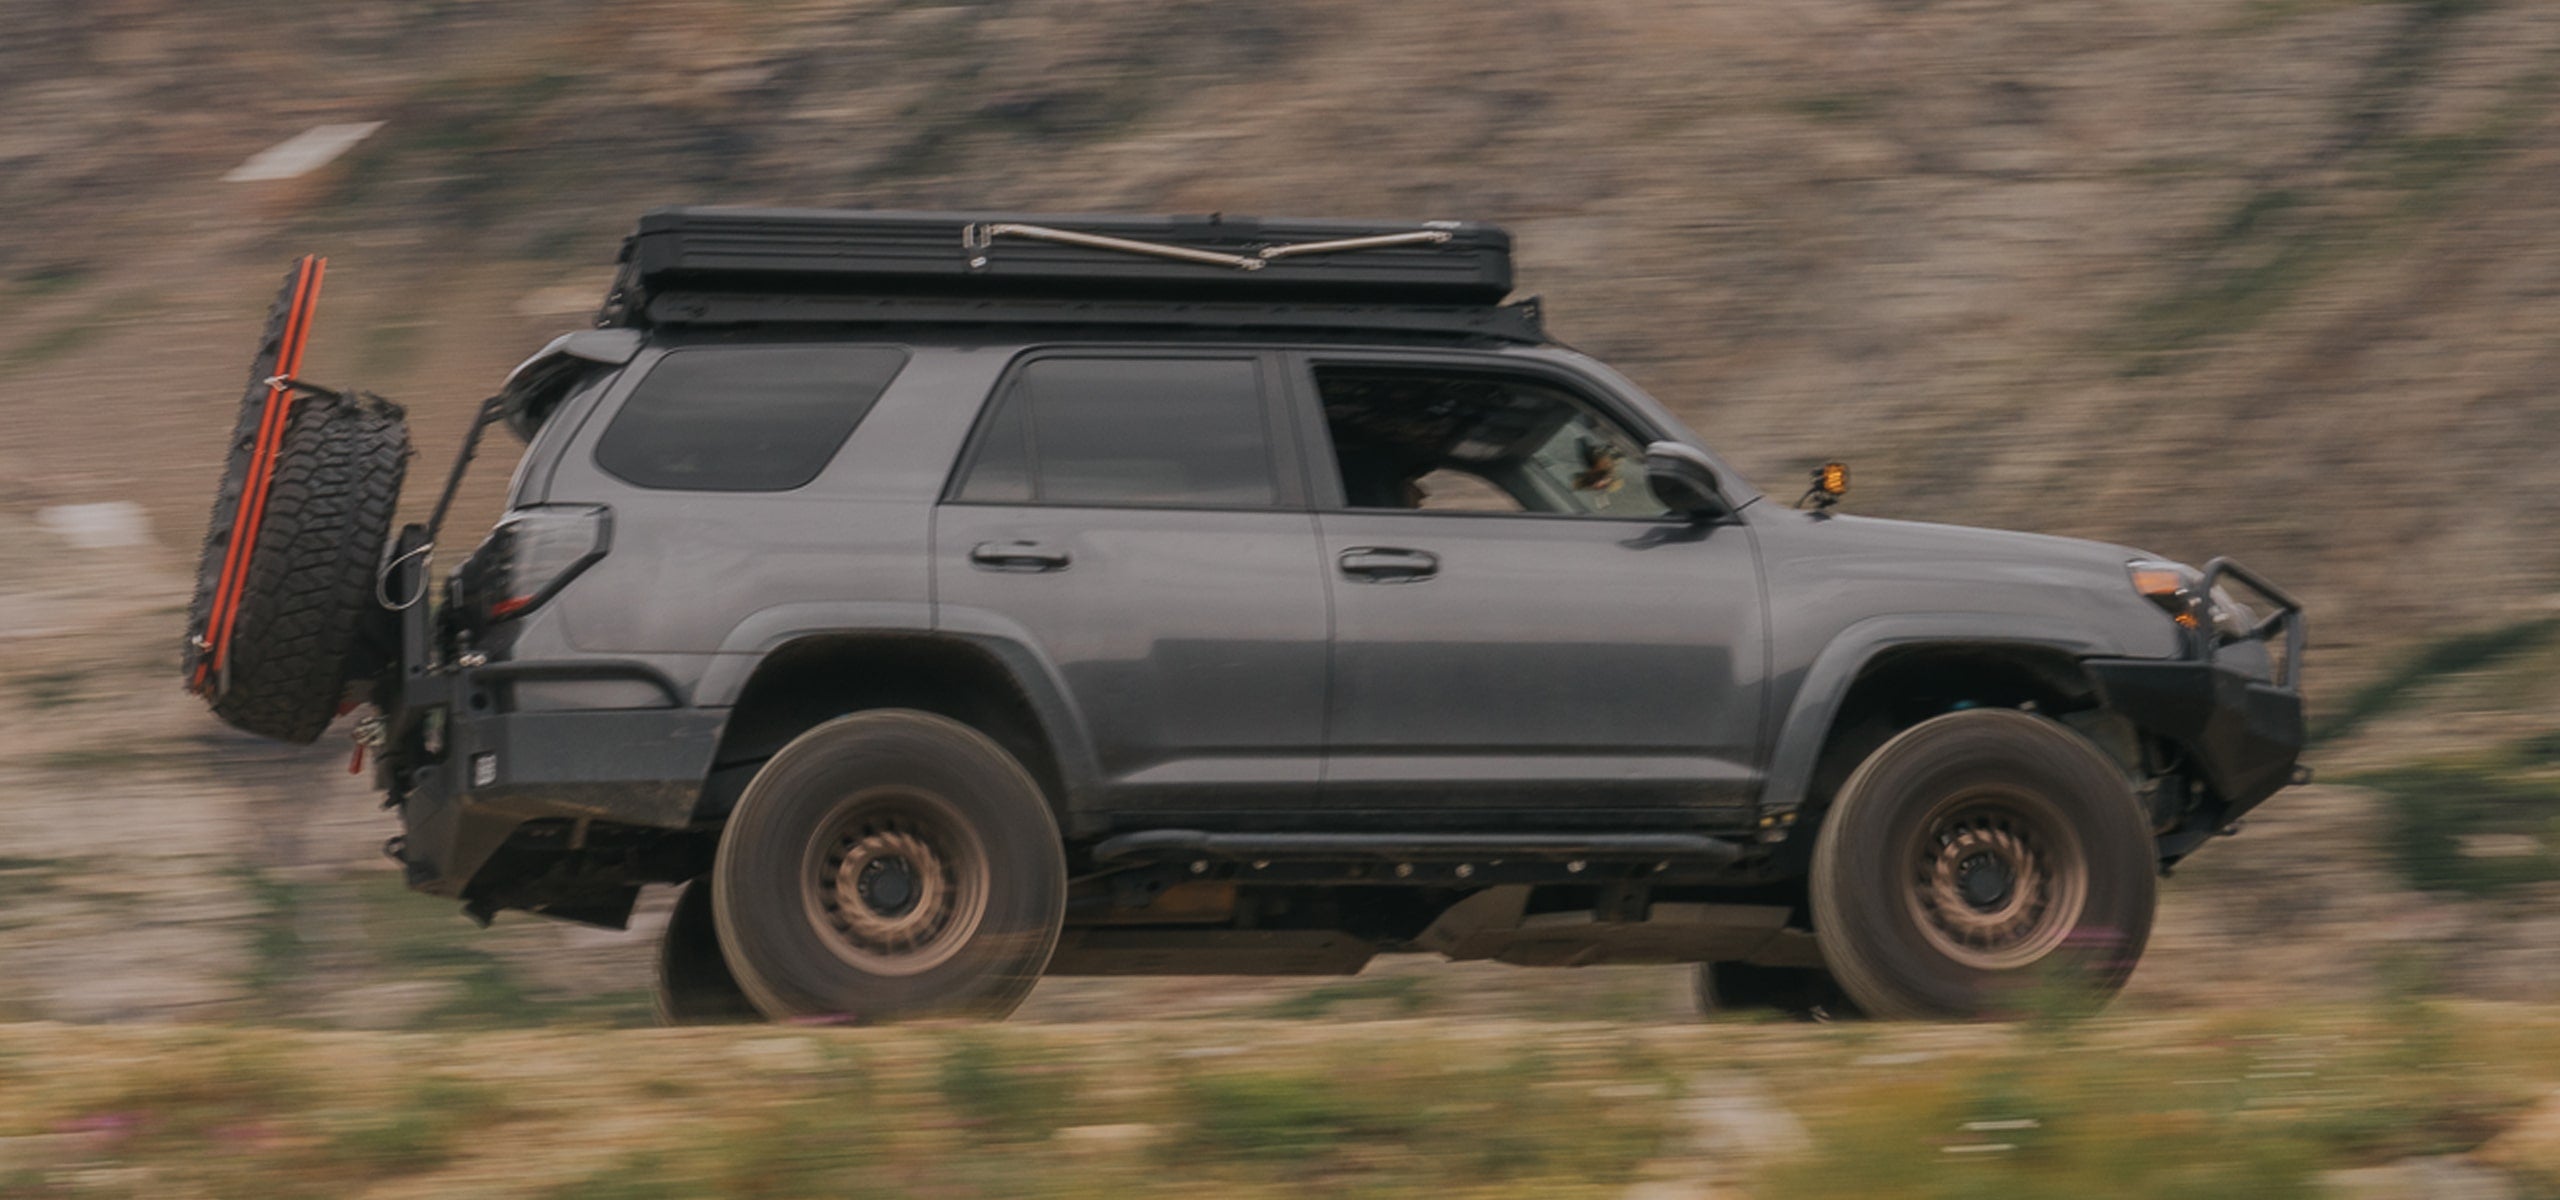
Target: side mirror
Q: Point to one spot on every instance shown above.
(1684, 480)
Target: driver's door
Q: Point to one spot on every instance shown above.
(1521, 632)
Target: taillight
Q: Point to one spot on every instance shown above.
(527, 559)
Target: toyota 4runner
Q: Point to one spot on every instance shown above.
(948, 600)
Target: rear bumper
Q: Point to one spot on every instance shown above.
(476, 772)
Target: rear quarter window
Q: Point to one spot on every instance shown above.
(744, 418)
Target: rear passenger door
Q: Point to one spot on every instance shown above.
(1137, 520)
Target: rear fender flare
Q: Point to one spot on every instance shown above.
(1018, 653)
(758, 637)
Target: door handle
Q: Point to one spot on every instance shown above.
(1018, 556)
(1387, 564)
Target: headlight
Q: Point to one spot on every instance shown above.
(2172, 586)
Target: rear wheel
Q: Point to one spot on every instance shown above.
(1805, 993)
(1975, 858)
(694, 983)
(888, 865)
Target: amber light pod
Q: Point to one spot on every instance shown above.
(2158, 581)
(1832, 479)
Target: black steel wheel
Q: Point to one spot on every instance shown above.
(887, 865)
(1978, 856)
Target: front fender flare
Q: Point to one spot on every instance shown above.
(1816, 699)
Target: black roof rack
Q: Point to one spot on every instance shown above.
(721, 266)
(1519, 321)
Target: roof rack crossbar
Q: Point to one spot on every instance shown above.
(979, 237)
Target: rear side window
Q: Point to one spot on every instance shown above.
(744, 418)
(1156, 432)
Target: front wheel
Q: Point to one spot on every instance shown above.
(888, 865)
(1976, 857)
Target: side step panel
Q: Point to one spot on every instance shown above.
(1157, 845)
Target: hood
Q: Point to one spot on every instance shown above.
(1835, 571)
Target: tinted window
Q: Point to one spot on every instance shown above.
(744, 418)
(1433, 440)
(1185, 432)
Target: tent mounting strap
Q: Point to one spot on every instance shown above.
(976, 239)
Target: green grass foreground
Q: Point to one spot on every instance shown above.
(2236, 1104)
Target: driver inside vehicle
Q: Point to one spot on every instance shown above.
(1434, 441)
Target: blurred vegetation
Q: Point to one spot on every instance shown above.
(48, 689)
(2254, 1103)
(2397, 686)
(2482, 826)
(1399, 995)
(2240, 1106)
(310, 937)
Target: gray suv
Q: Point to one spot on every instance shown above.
(1083, 604)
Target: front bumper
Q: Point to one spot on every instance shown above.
(2237, 716)
(2242, 733)
(473, 771)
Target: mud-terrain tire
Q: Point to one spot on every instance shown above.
(1804, 993)
(694, 983)
(1977, 859)
(307, 615)
(888, 865)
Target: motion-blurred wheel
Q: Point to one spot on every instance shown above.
(888, 865)
(1804, 993)
(1976, 858)
(694, 983)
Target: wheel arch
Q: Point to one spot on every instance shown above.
(998, 688)
(1874, 677)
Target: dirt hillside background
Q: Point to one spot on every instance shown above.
(2271, 278)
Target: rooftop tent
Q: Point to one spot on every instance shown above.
(730, 265)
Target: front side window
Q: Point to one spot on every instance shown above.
(1154, 432)
(1437, 440)
(744, 418)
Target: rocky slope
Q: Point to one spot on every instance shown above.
(2272, 279)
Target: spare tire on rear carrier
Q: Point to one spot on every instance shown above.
(286, 615)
